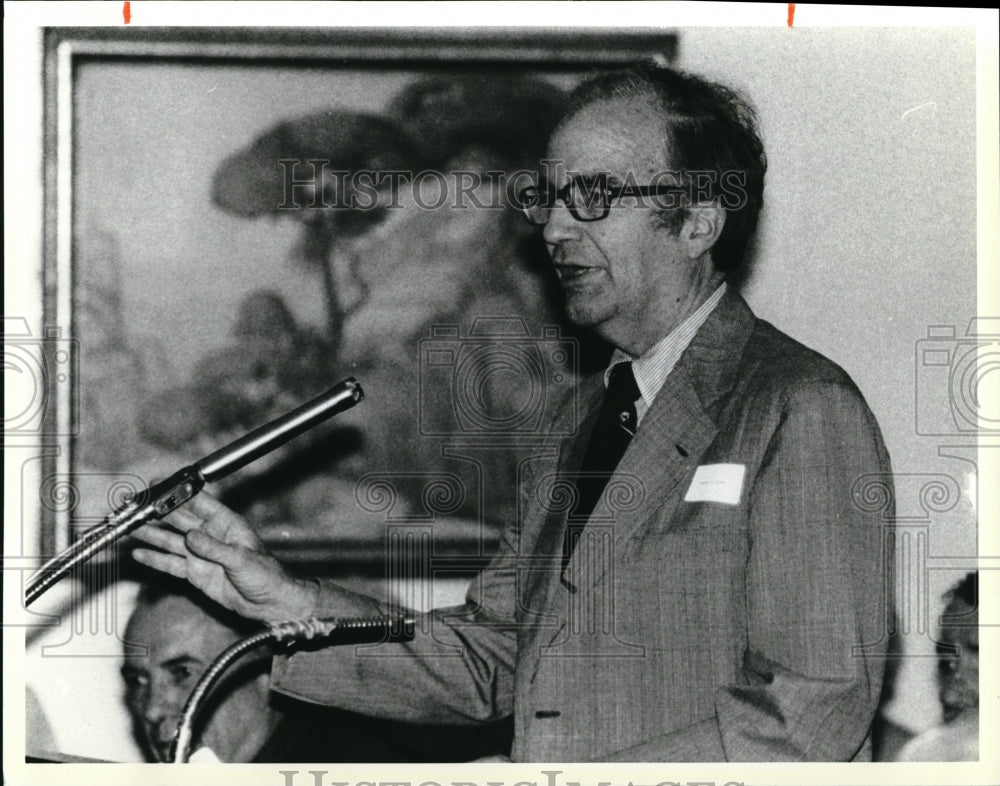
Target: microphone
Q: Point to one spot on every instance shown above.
(239, 453)
(161, 498)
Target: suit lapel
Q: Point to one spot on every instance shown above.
(553, 494)
(670, 441)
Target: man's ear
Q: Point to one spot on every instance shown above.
(702, 227)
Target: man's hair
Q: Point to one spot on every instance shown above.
(963, 594)
(708, 127)
(152, 592)
(960, 613)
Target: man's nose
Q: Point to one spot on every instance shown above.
(164, 704)
(561, 225)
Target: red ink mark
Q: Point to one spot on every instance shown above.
(791, 13)
(127, 12)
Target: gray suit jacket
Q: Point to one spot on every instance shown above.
(748, 625)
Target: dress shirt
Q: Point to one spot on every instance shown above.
(652, 367)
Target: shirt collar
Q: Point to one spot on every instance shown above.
(652, 367)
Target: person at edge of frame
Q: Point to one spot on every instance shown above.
(957, 737)
(182, 632)
(721, 594)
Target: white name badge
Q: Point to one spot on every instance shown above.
(717, 483)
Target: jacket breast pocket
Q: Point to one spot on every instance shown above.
(695, 529)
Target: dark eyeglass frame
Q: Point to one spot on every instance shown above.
(530, 197)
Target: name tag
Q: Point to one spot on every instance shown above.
(717, 483)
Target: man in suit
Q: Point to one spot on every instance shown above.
(697, 574)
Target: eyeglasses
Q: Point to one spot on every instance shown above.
(586, 198)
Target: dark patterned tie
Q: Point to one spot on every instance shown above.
(612, 433)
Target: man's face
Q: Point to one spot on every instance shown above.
(624, 276)
(182, 640)
(958, 667)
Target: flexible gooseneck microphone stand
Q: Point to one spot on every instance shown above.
(161, 498)
(354, 630)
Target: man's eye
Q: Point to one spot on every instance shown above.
(181, 674)
(532, 196)
(590, 191)
(546, 191)
(135, 679)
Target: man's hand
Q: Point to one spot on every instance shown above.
(217, 551)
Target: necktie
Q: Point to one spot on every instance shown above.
(616, 424)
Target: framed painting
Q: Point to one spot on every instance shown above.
(238, 219)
